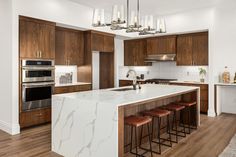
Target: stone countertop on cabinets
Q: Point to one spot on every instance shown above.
(73, 84)
(190, 82)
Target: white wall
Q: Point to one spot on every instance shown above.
(224, 38)
(118, 58)
(166, 70)
(6, 116)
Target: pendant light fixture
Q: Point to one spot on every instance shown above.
(99, 18)
(132, 22)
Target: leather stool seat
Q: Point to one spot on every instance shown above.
(137, 120)
(174, 107)
(157, 113)
(187, 104)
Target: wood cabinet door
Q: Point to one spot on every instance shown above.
(97, 42)
(152, 48)
(35, 117)
(69, 47)
(80, 60)
(161, 45)
(200, 49)
(166, 45)
(74, 48)
(60, 51)
(106, 70)
(47, 41)
(108, 43)
(140, 53)
(29, 39)
(184, 50)
(135, 52)
(129, 50)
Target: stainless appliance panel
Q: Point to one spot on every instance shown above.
(38, 70)
(37, 75)
(36, 95)
(37, 62)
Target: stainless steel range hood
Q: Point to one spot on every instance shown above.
(160, 58)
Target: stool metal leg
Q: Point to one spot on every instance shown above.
(189, 121)
(168, 129)
(141, 136)
(136, 142)
(159, 134)
(131, 139)
(150, 139)
(176, 128)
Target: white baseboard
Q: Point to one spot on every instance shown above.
(11, 129)
(211, 113)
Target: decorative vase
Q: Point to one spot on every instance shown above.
(202, 80)
(226, 76)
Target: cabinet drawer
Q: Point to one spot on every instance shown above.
(36, 117)
(71, 89)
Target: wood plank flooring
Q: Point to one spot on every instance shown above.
(209, 140)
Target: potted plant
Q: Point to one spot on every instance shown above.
(202, 73)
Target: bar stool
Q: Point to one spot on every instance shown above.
(176, 109)
(135, 122)
(158, 114)
(188, 106)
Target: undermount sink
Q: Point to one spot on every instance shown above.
(122, 89)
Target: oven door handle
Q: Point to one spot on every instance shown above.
(38, 68)
(28, 85)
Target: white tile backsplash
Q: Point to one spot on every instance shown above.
(61, 70)
(166, 70)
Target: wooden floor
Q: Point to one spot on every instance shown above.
(209, 140)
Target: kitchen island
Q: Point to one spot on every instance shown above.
(91, 124)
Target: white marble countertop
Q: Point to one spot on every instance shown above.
(86, 123)
(72, 84)
(226, 84)
(189, 82)
(121, 98)
(127, 79)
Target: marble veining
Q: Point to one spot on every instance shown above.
(85, 124)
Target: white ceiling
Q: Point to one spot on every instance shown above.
(156, 7)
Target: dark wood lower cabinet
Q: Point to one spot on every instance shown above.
(35, 117)
(203, 94)
(70, 89)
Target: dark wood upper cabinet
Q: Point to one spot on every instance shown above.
(69, 47)
(102, 42)
(192, 49)
(184, 50)
(135, 52)
(37, 39)
(97, 42)
(161, 45)
(61, 56)
(108, 44)
(200, 49)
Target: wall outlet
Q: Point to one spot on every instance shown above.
(188, 73)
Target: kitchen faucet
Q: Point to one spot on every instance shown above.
(135, 77)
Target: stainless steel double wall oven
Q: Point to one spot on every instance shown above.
(37, 83)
